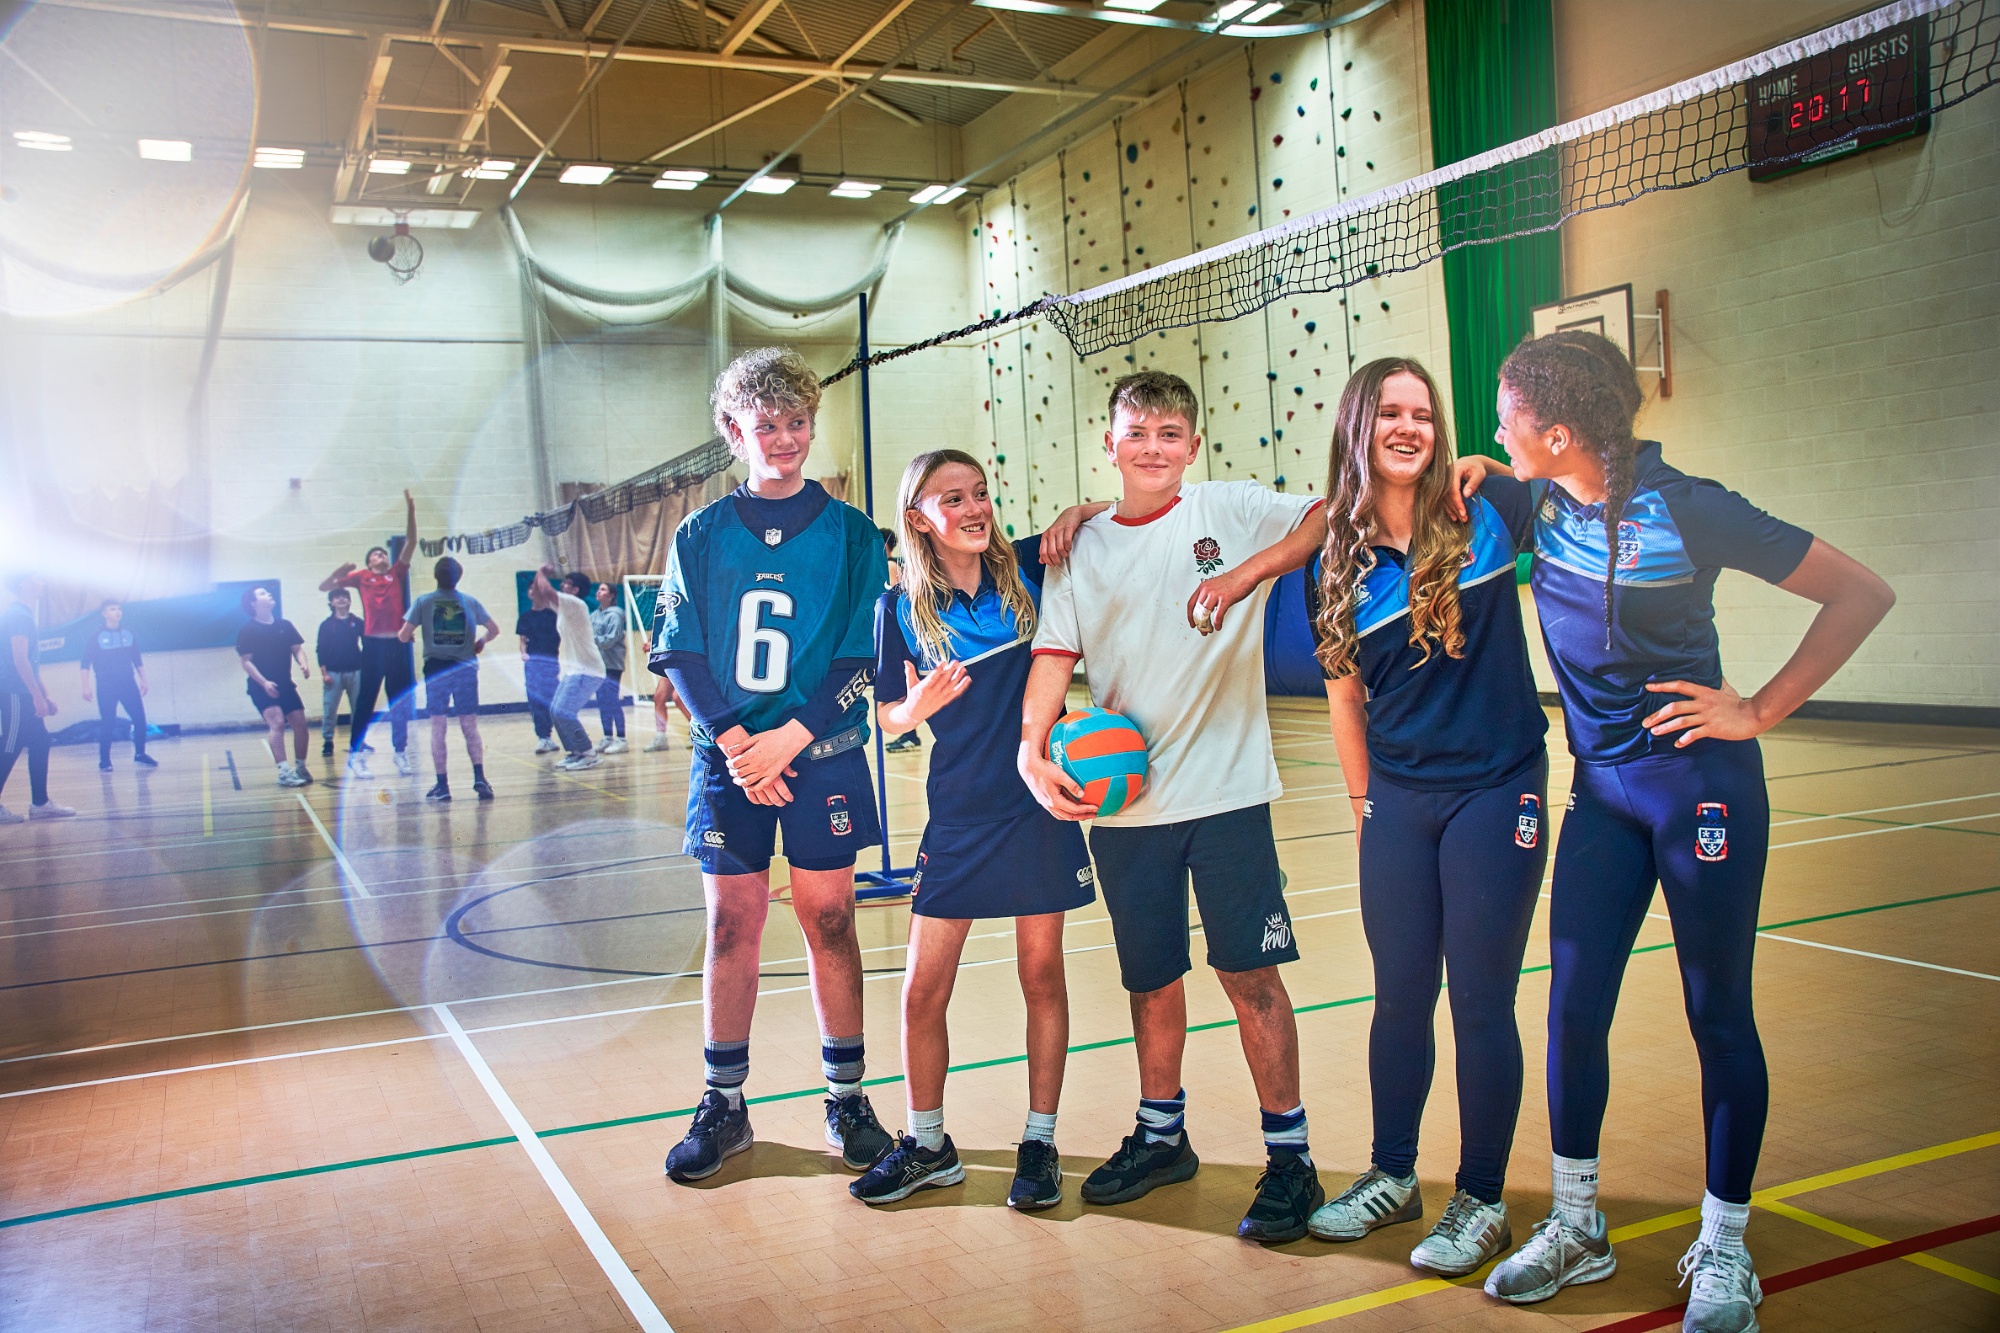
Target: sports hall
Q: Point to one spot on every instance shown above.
(292, 1044)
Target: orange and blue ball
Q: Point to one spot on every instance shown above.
(1104, 753)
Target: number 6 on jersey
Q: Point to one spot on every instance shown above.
(763, 652)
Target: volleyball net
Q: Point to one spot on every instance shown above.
(1874, 77)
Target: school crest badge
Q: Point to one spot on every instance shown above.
(1277, 932)
(1528, 821)
(1628, 546)
(1711, 831)
(836, 816)
(772, 536)
(1207, 556)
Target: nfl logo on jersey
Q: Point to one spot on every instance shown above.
(836, 815)
(1528, 821)
(1711, 831)
(1628, 546)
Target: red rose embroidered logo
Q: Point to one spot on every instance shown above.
(1207, 556)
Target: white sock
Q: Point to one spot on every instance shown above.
(1722, 1223)
(927, 1128)
(1040, 1127)
(1575, 1180)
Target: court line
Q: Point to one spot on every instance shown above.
(1967, 1275)
(1375, 1300)
(207, 801)
(1887, 958)
(340, 857)
(1893, 828)
(1883, 809)
(601, 1249)
(1826, 1268)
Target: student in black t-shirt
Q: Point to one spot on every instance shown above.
(268, 646)
(112, 656)
(541, 644)
(340, 661)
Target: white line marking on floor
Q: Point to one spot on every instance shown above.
(1885, 957)
(346, 868)
(1871, 832)
(607, 1256)
(1884, 809)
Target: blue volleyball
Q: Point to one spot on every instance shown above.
(1104, 753)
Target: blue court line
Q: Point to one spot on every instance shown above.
(680, 1112)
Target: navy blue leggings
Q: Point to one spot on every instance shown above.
(1699, 823)
(1448, 884)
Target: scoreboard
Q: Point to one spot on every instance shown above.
(1868, 92)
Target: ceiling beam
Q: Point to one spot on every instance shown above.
(789, 90)
(746, 22)
(889, 15)
(364, 117)
(555, 15)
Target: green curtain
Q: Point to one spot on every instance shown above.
(1493, 80)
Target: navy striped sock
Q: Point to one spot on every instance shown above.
(1163, 1118)
(842, 1060)
(726, 1064)
(1286, 1130)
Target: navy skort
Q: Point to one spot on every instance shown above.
(1025, 866)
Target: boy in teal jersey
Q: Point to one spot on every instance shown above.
(766, 628)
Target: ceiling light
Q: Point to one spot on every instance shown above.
(1231, 9)
(42, 141)
(937, 194)
(770, 184)
(279, 159)
(1262, 12)
(388, 166)
(1137, 6)
(586, 173)
(492, 169)
(166, 150)
(680, 178)
(854, 190)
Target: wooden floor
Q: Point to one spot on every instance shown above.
(343, 1060)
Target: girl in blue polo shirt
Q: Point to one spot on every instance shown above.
(953, 644)
(1440, 738)
(1669, 782)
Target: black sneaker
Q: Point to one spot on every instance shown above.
(906, 1168)
(145, 761)
(104, 765)
(482, 789)
(1140, 1167)
(326, 749)
(718, 1132)
(1287, 1194)
(1037, 1177)
(909, 740)
(438, 792)
(851, 1126)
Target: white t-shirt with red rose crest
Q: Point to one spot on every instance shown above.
(1121, 605)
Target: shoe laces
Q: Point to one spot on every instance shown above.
(854, 1112)
(1371, 1182)
(708, 1116)
(1554, 1237)
(1462, 1216)
(1035, 1155)
(1717, 1273)
(1283, 1172)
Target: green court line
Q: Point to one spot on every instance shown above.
(655, 1116)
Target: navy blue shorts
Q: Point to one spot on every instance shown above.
(1024, 866)
(287, 702)
(1234, 865)
(830, 819)
(451, 689)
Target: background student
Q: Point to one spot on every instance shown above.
(607, 630)
(338, 647)
(268, 646)
(456, 629)
(23, 701)
(111, 659)
(541, 667)
(385, 657)
(582, 669)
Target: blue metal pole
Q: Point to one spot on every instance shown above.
(868, 506)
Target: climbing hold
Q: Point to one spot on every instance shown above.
(1000, 458)
(1311, 325)
(1277, 76)
(1132, 151)
(1277, 182)
(1385, 305)
(1253, 210)
(1349, 65)
(1314, 85)
(1201, 119)
(1086, 175)
(1340, 150)
(1319, 407)
(1277, 139)
(1345, 114)
(1302, 111)
(1149, 182)
(1270, 374)
(1299, 389)
(1255, 92)
(1378, 115)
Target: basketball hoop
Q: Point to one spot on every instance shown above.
(400, 252)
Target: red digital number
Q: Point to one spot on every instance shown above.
(1818, 111)
(1862, 84)
(1843, 97)
(1798, 116)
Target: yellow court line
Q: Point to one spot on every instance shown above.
(1859, 1237)
(207, 801)
(572, 777)
(1766, 1198)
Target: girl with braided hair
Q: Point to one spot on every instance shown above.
(1668, 787)
(1440, 738)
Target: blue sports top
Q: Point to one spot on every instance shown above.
(770, 612)
(1452, 723)
(973, 779)
(1676, 535)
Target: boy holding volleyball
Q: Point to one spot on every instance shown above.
(1126, 605)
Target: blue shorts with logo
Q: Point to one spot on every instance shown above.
(830, 819)
(1233, 864)
(1029, 865)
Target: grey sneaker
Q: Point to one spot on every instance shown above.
(49, 810)
(546, 745)
(357, 765)
(614, 745)
(1470, 1232)
(576, 763)
(9, 817)
(659, 743)
(1725, 1293)
(404, 765)
(1375, 1199)
(1556, 1256)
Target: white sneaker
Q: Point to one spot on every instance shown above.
(9, 817)
(49, 810)
(1375, 1199)
(577, 762)
(1470, 1232)
(659, 743)
(1725, 1294)
(289, 776)
(546, 745)
(613, 745)
(357, 765)
(1556, 1256)
(403, 764)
